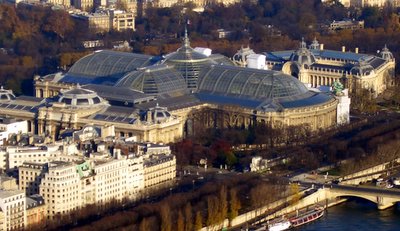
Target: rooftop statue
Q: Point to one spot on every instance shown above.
(337, 88)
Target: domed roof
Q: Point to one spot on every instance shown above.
(81, 98)
(188, 61)
(159, 114)
(362, 68)
(253, 88)
(155, 80)
(303, 55)
(248, 83)
(386, 54)
(6, 95)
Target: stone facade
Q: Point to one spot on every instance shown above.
(30, 177)
(315, 66)
(12, 204)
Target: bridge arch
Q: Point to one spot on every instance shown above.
(382, 201)
(367, 198)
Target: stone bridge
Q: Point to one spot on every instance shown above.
(383, 198)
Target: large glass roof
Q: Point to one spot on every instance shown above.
(105, 65)
(189, 62)
(155, 80)
(249, 83)
(252, 88)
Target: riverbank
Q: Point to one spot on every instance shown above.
(356, 214)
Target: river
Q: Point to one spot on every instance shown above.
(357, 215)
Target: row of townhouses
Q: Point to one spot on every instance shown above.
(51, 179)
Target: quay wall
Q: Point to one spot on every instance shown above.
(251, 215)
(367, 174)
(322, 197)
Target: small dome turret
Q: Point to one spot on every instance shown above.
(159, 114)
(362, 68)
(81, 98)
(303, 56)
(386, 54)
(6, 95)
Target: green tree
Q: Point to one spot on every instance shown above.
(188, 217)
(295, 191)
(234, 204)
(165, 215)
(59, 23)
(212, 210)
(372, 16)
(363, 100)
(180, 223)
(223, 203)
(198, 224)
(144, 225)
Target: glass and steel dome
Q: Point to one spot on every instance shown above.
(81, 98)
(386, 54)
(303, 56)
(105, 67)
(362, 68)
(188, 61)
(250, 83)
(155, 80)
(6, 95)
(263, 90)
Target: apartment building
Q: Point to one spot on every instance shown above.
(123, 20)
(60, 188)
(110, 181)
(11, 126)
(346, 25)
(97, 22)
(12, 204)
(15, 156)
(73, 180)
(36, 210)
(159, 169)
(104, 21)
(30, 177)
(85, 5)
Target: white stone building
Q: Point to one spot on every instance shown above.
(159, 169)
(11, 126)
(12, 204)
(315, 66)
(60, 188)
(74, 181)
(15, 156)
(30, 176)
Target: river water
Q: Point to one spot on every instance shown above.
(357, 215)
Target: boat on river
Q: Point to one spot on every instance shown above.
(279, 225)
(307, 217)
(275, 225)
